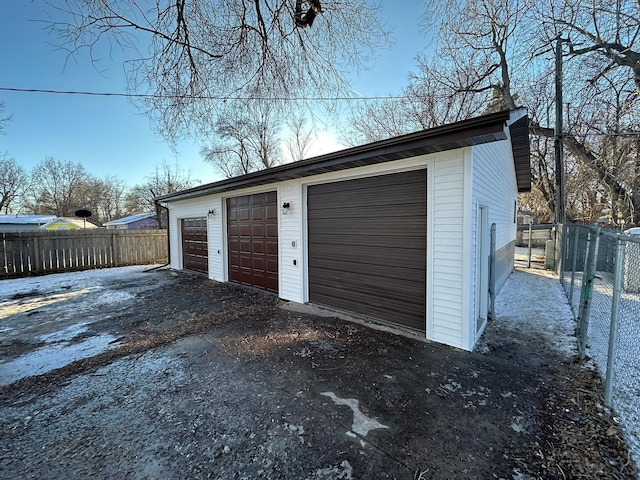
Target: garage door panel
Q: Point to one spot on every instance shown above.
(380, 241)
(372, 211)
(367, 246)
(245, 245)
(272, 247)
(272, 264)
(253, 240)
(375, 284)
(350, 194)
(411, 226)
(271, 231)
(259, 247)
(409, 273)
(378, 307)
(397, 201)
(380, 182)
(257, 213)
(362, 254)
(259, 264)
(272, 210)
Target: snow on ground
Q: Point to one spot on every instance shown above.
(522, 255)
(69, 280)
(56, 311)
(626, 385)
(533, 302)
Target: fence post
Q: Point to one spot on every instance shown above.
(560, 251)
(36, 266)
(529, 257)
(112, 245)
(574, 261)
(492, 272)
(585, 306)
(613, 327)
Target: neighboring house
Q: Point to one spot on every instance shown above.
(20, 223)
(134, 222)
(68, 223)
(525, 218)
(397, 230)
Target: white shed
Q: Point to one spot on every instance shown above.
(396, 230)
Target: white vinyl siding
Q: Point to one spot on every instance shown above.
(445, 233)
(217, 243)
(197, 207)
(494, 186)
(290, 232)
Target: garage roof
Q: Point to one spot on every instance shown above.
(474, 131)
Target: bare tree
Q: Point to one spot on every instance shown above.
(4, 118)
(164, 179)
(191, 55)
(57, 187)
(13, 180)
(433, 97)
(246, 139)
(298, 143)
(496, 54)
(105, 198)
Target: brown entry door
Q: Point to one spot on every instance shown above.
(195, 249)
(367, 246)
(252, 232)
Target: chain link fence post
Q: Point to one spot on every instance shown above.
(587, 286)
(529, 248)
(574, 260)
(613, 332)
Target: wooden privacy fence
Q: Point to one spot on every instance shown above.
(40, 252)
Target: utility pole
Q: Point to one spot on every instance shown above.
(560, 202)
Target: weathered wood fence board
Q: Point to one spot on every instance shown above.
(39, 252)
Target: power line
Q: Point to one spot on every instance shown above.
(222, 98)
(197, 97)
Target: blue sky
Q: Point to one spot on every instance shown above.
(107, 135)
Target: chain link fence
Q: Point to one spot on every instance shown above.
(600, 273)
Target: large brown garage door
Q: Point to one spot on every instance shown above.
(252, 232)
(367, 246)
(195, 250)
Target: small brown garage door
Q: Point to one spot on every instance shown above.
(195, 250)
(252, 232)
(367, 246)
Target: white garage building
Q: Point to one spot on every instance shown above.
(397, 230)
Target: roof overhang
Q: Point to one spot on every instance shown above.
(519, 133)
(474, 131)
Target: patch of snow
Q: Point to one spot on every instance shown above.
(342, 472)
(51, 357)
(362, 424)
(550, 320)
(518, 475)
(520, 424)
(65, 334)
(57, 282)
(110, 297)
(298, 429)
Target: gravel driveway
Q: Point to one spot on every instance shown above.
(196, 379)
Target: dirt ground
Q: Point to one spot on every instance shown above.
(197, 379)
